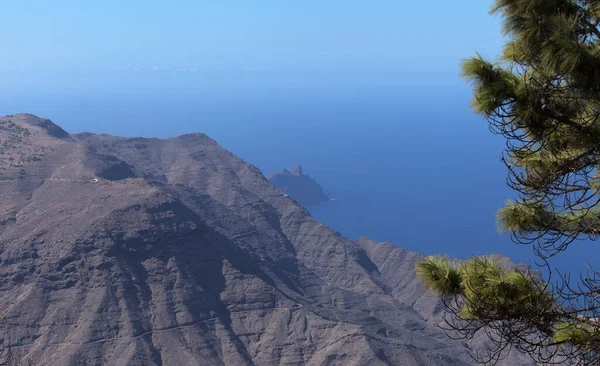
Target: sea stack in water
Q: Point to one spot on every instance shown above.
(301, 187)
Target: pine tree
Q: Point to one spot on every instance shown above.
(543, 96)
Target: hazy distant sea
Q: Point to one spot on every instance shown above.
(407, 163)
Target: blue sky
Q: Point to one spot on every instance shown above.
(331, 35)
(269, 78)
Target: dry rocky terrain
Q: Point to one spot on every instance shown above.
(134, 251)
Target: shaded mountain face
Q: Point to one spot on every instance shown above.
(301, 187)
(131, 251)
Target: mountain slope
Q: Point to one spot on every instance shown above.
(131, 251)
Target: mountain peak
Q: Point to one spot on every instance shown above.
(29, 120)
(295, 170)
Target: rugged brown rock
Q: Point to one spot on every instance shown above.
(131, 251)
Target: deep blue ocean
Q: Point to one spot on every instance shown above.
(405, 160)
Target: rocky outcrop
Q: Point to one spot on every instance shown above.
(299, 186)
(130, 251)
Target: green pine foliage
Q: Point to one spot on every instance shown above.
(543, 96)
(487, 292)
(440, 276)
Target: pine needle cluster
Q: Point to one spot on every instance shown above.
(543, 96)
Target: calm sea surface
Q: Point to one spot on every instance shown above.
(406, 163)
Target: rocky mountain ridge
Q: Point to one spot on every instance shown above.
(135, 251)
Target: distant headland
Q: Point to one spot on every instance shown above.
(299, 186)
